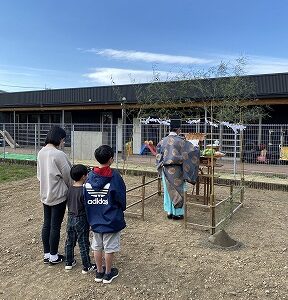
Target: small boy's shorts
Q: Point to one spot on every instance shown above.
(109, 242)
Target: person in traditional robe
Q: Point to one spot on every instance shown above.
(177, 163)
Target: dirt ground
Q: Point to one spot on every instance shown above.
(159, 259)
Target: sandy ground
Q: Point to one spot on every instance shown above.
(159, 259)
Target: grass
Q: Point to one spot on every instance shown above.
(14, 172)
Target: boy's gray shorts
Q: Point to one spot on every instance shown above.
(109, 242)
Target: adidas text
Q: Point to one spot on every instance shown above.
(97, 201)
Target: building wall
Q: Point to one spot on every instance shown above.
(4, 117)
(278, 114)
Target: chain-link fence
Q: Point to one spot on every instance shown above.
(135, 144)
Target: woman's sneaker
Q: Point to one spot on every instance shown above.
(70, 266)
(46, 260)
(59, 260)
(107, 278)
(90, 269)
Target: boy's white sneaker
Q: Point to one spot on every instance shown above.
(70, 266)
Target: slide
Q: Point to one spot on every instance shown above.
(143, 148)
(8, 138)
(148, 146)
(152, 149)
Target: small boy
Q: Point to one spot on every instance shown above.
(77, 225)
(105, 201)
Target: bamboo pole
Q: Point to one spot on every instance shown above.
(231, 189)
(143, 195)
(213, 221)
(242, 173)
(242, 164)
(185, 209)
(159, 186)
(137, 187)
(212, 195)
(199, 225)
(196, 204)
(228, 216)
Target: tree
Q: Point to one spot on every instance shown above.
(222, 90)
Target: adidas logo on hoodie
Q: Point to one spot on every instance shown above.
(100, 197)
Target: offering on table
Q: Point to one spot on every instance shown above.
(208, 152)
(212, 152)
(219, 154)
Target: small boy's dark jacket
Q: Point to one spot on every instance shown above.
(105, 202)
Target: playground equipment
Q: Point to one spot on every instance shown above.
(129, 148)
(8, 138)
(148, 146)
(284, 153)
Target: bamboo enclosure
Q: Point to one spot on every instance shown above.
(142, 196)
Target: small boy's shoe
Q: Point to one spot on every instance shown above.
(70, 266)
(169, 216)
(90, 269)
(99, 276)
(46, 260)
(60, 259)
(107, 278)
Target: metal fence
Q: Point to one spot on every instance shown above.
(258, 144)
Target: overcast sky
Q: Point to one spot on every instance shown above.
(62, 44)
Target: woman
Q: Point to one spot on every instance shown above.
(53, 172)
(177, 162)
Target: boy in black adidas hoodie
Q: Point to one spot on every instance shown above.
(105, 202)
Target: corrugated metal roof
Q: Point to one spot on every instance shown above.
(271, 84)
(267, 86)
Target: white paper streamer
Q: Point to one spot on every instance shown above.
(234, 127)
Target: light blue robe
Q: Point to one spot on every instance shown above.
(168, 204)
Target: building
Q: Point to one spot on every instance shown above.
(104, 105)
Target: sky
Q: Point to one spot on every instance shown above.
(66, 44)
